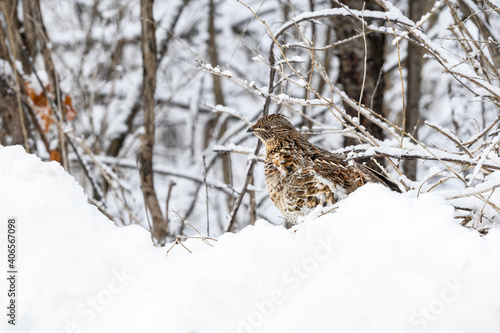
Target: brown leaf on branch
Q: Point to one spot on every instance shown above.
(69, 110)
(55, 156)
(41, 106)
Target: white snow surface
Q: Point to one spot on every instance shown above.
(382, 262)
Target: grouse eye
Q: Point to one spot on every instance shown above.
(267, 128)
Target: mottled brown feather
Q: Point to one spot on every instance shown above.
(301, 176)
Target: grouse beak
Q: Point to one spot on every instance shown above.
(250, 130)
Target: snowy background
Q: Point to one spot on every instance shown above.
(427, 260)
(96, 50)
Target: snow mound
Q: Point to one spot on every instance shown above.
(382, 262)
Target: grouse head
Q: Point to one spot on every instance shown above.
(273, 129)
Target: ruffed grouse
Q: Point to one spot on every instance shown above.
(301, 176)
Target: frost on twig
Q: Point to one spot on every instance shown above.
(465, 163)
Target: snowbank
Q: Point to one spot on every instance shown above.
(383, 262)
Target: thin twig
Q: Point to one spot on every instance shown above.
(403, 126)
(232, 217)
(167, 200)
(105, 176)
(177, 241)
(417, 25)
(206, 194)
(204, 239)
(482, 133)
(453, 138)
(365, 59)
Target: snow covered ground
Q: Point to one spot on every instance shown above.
(383, 262)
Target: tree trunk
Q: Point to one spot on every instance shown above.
(351, 57)
(414, 93)
(11, 125)
(9, 9)
(219, 100)
(145, 155)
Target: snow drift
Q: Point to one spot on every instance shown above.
(382, 262)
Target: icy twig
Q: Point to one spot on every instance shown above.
(450, 136)
(104, 174)
(406, 154)
(483, 158)
(329, 46)
(417, 25)
(227, 110)
(476, 137)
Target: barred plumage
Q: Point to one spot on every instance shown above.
(300, 175)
